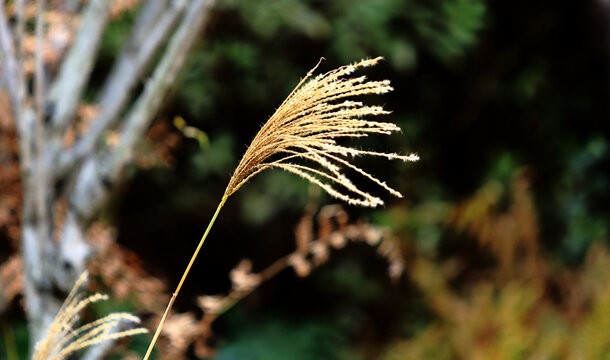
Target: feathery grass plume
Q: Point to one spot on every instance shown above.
(62, 339)
(305, 128)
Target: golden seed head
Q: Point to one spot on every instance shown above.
(306, 126)
(62, 339)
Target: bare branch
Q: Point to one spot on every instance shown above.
(41, 179)
(100, 170)
(39, 63)
(9, 63)
(136, 54)
(147, 18)
(15, 83)
(148, 104)
(19, 31)
(72, 252)
(41, 305)
(70, 5)
(75, 69)
(90, 184)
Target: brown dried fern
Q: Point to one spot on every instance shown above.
(305, 128)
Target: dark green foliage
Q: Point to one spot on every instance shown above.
(14, 340)
(322, 338)
(579, 191)
(260, 203)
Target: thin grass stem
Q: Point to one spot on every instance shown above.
(186, 272)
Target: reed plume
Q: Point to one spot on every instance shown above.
(300, 137)
(306, 126)
(62, 339)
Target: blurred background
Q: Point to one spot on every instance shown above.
(499, 249)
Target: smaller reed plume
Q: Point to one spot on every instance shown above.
(62, 339)
(301, 138)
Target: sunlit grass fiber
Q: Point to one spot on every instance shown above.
(301, 138)
(63, 339)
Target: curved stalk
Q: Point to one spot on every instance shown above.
(305, 126)
(186, 271)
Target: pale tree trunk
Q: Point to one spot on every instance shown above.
(83, 174)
